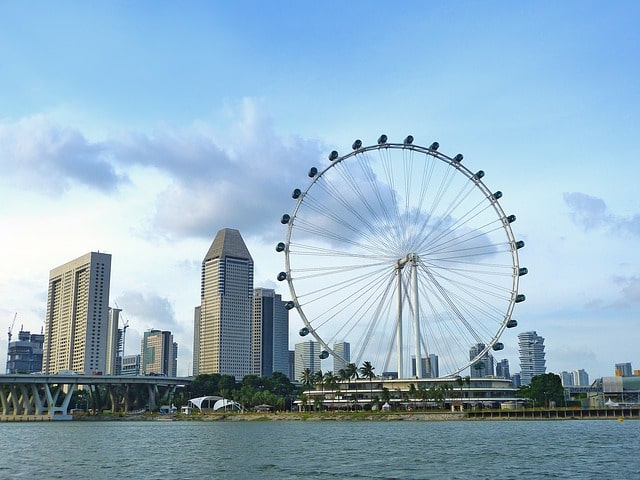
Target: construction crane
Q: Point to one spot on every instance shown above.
(12, 325)
(9, 343)
(125, 325)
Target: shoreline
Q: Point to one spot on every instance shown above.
(341, 416)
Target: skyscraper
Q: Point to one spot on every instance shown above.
(226, 298)
(344, 350)
(580, 378)
(77, 316)
(532, 362)
(307, 356)
(502, 369)
(623, 369)
(566, 378)
(485, 365)
(25, 354)
(114, 343)
(158, 353)
(270, 333)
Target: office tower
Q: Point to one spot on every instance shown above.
(25, 354)
(434, 368)
(580, 378)
(532, 362)
(307, 355)
(484, 366)
(130, 365)
(77, 316)
(516, 379)
(624, 369)
(158, 353)
(226, 298)
(426, 372)
(292, 364)
(196, 342)
(114, 343)
(344, 350)
(502, 369)
(566, 378)
(270, 333)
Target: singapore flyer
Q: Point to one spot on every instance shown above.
(404, 253)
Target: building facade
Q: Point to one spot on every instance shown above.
(226, 303)
(344, 350)
(158, 354)
(484, 366)
(623, 369)
(502, 369)
(114, 343)
(130, 365)
(532, 362)
(25, 354)
(270, 333)
(307, 355)
(77, 316)
(580, 378)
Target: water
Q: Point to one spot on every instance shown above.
(586, 449)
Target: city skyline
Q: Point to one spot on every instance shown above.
(98, 153)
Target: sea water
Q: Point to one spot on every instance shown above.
(585, 449)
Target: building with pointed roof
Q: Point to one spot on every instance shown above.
(222, 338)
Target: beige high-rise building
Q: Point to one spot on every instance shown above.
(224, 325)
(158, 354)
(77, 317)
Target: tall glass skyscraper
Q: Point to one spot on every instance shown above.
(485, 365)
(532, 362)
(306, 356)
(344, 350)
(222, 342)
(77, 316)
(270, 333)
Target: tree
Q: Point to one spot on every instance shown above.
(367, 371)
(386, 395)
(307, 378)
(423, 394)
(413, 393)
(461, 381)
(330, 381)
(544, 389)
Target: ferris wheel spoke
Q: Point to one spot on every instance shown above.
(402, 252)
(461, 232)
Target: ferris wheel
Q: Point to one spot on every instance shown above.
(403, 253)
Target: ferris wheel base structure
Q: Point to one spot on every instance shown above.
(404, 253)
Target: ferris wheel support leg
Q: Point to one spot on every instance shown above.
(399, 321)
(416, 313)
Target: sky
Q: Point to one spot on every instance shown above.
(140, 129)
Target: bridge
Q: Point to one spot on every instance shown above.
(42, 397)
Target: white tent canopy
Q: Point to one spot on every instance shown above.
(215, 403)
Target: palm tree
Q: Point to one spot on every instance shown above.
(366, 370)
(318, 381)
(422, 394)
(307, 381)
(330, 381)
(412, 393)
(386, 396)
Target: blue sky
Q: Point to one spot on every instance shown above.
(140, 129)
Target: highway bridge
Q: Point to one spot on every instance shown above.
(41, 397)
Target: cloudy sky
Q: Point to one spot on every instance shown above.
(142, 128)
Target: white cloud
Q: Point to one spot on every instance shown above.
(592, 213)
(40, 155)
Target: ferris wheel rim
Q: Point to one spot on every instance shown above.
(453, 162)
